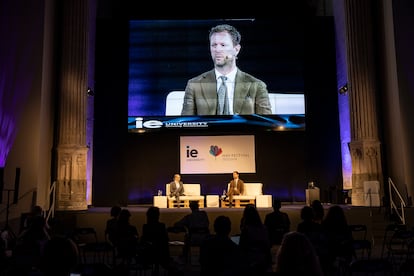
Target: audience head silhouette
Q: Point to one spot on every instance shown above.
(318, 210)
(277, 204)
(306, 213)
(194, 205)
(297, 256)
(60, 257)
(222, 225)
(153, 214)
(335, 218)
(115, 211)
(251, 216)
(124, 216)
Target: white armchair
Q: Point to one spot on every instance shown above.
(192, 193)
(253, 194)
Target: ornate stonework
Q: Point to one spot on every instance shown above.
(366, 166)
(71, 180)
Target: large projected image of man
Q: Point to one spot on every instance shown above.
(225, 90)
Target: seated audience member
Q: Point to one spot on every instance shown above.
(310, 228)
(36, 211)
(297, 256)
(277, 223)
(154, 241)
(318, 211)
(196, 219)
(125, 237)
(60, 257)
(336, 236)
(111, 223)
(219, 255)
(30, 244)
(197, 224)
(254, 243)
(176, 187)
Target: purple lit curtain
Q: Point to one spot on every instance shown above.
(21, 29)
(343, 101)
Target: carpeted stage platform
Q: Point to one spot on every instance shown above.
(97, 216)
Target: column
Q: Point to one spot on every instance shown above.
(72, 150)
(365, 146)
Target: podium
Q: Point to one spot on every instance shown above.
(311, 195)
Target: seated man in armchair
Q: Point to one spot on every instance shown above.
(176, 187)
(236, 187)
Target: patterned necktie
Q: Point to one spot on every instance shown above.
(223, 100)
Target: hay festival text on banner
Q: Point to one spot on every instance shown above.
(217, 154)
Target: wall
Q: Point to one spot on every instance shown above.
(32, 27)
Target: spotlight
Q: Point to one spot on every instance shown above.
(90, 92)
(343, 89)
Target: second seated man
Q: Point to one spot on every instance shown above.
(235, 187)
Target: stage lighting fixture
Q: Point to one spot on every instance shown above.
(90, 92)
(343, 89)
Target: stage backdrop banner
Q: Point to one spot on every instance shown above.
(217, 154)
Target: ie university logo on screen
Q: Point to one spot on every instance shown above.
(140, 123)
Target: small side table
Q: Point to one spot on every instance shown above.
(160, 201)
(264, 201)
(213, 201)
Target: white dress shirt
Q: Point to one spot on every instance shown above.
(230, 83)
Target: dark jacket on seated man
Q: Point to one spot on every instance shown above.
(176, 187)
